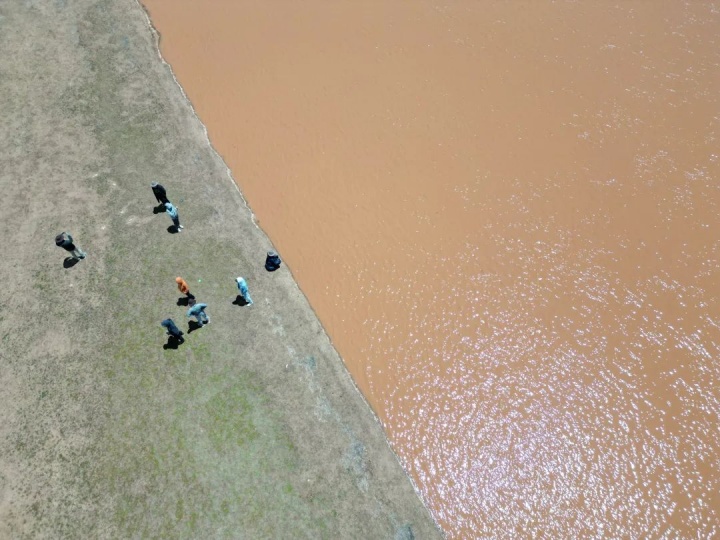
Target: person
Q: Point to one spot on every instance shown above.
(159, 192)
(198, 311)
(65, 241)
(272, 262)
(184, 288)
(244, 292)
(172, 330)
(173, 213)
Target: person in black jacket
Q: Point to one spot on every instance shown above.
(159, 192)
(65, 241)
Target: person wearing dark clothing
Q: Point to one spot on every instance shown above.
(65, 241)
(159, 192)
(272, 262)
(173, 330)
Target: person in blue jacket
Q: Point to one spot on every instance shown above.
(272, 261)
(243, 289)
(172, 330)
(198, 311)
(174, 215)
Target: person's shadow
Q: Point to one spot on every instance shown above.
(172, 229)
(192, 326)
(69, 262)
(173, 343)
(183, 301)
(240, 301)
(159, 209)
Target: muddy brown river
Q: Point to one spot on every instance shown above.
(507, 217)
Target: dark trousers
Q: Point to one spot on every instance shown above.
(176, 333)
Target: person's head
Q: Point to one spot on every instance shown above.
(154, 184)
(168, 205)
(59, 239)
(178, 280)
(239, 279)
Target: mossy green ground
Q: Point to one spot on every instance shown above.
(252, 428)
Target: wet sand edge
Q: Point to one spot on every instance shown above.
(342, 368)
(124, 123)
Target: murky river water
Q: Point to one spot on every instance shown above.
(507, 216)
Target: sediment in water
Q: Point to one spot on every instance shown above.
(505, 215)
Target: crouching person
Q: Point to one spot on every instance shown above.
(172, 330)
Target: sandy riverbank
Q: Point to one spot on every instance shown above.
(253, 427)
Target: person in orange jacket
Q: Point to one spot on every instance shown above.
(184, 288)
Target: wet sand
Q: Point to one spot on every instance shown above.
(506, 216)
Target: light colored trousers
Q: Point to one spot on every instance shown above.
(202, 318)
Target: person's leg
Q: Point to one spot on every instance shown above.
(178, 223)
(199, 320)
(246, 296)
(207, 319)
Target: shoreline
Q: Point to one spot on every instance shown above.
(485, 207)
(235, 183)
(254, 424)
